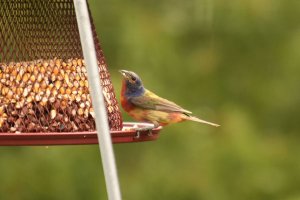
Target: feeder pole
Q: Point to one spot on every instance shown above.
(104, 138)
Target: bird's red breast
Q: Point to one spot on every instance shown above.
(127, 106)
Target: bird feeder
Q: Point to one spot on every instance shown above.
(44, 91)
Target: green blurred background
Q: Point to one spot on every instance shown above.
(231, 62)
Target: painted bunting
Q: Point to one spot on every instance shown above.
(145, 106)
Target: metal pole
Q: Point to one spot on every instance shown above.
(104, 138)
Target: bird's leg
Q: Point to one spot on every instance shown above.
(138, 134)
(139, 130)
(150, 132)
(143, 129)
(156, 125)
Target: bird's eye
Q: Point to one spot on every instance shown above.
(133, 78)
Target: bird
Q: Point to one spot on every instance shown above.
(145, 106)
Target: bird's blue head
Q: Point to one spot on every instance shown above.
(132, 84)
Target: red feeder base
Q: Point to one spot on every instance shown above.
(77, 138)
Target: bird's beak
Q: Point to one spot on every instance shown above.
(124, 73)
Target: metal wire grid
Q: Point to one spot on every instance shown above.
(32, 30)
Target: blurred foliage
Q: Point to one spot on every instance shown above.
(232, 62)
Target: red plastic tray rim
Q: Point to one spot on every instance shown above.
(77, 138)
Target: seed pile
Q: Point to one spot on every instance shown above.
(45, 96)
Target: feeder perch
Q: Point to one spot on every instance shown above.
(44, 95)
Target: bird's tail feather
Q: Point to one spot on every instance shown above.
(192, 118)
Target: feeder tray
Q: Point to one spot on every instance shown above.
(74, 138)
(44, 95)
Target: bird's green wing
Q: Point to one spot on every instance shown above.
(149, 100)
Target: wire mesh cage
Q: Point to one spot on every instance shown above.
(43, 79)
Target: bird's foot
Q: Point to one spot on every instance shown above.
(143, 129)
(150, 133)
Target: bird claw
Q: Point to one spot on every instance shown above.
(139, 130)
(150, 133)
(138, 134)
